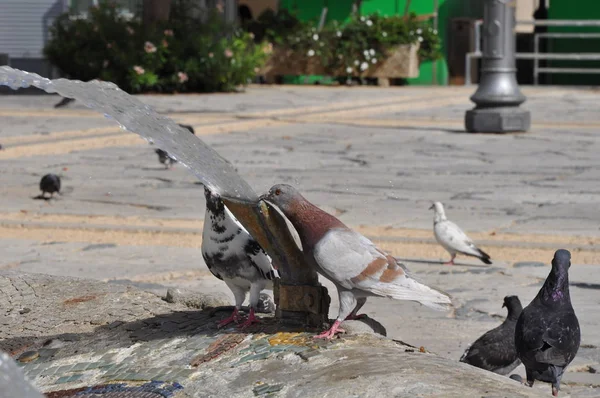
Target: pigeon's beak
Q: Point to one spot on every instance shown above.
(503, 305)
(431, 207)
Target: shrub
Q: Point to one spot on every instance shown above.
(355, 45)
(192, 52)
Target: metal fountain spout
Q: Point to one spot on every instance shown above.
(299, 297)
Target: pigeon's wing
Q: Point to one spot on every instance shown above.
(354, 262)
(259, 259)
(452, 236)
(493, 350)
(560, 340)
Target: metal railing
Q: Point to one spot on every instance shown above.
(536, 55)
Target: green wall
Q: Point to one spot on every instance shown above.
(584, 9)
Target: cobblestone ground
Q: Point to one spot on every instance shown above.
(375, 158)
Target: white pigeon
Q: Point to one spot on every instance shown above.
(452, 238)
(351, 261)
(235, 257)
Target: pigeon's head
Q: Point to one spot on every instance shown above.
(438, 207)
(513, 305)
(561, 261)
(282, 196)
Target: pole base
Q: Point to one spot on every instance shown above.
(497, 120)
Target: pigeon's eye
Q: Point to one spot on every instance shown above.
(278, 192)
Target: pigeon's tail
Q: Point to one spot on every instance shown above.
(409, 289)
(483, 256)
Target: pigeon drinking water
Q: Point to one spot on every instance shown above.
(163, 156)
(235, 257)
(495, 350)
(452, 238)
(547, 334)
(50, 183)
(352, 262)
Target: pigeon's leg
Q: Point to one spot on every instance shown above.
(255, 289)
(451, 262)
(240, 295)
(359, 303)
(347, 303)
(530, 378)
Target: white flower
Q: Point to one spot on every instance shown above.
(338, 33)
(435, 32)
(315, 37)
(364, 66)
(369, 22)
(420, 39)
(419, 31)
(384, 34)
(366, 53)
(311, 53)
(362, 19)
(357, 62)
(374, 60)
(348, 70)
(372, 52)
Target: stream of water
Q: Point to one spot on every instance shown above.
(135, 116)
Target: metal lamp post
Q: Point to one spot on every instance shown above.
(498, 97)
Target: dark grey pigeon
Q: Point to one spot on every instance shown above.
(547, 334)
(164, 157)
(495, 350)
(234, 256)
(50, 183)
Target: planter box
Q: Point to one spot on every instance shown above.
(402, 62)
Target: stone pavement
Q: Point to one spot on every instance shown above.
(374, 157)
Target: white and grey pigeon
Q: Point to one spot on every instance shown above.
(235, 257)
(452, 238)
(547, 334)
(352, 262)
(495, 349)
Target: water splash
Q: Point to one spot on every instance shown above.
(135, 116)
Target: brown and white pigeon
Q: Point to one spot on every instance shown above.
(495, 349)
(235, 257)
(547, 334)
(352, 262)
(452, 238)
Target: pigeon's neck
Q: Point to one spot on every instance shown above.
(216, 217)
(311, 223)
(439, 217)
(555, 289)
(513, 314)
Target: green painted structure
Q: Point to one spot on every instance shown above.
(565, 9)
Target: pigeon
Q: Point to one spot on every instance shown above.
(164, 157)
(64, 102)
(452, 238)
(352, 262)
(50, 183)
(235, 257)
(495, 350)
(547, 334)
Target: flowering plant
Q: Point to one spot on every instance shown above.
(354, 46)
(191, 52)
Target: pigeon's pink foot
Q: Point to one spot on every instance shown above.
(329, 334)
(451, 262)
(353, 317)
(252, 319)
(235, 317)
